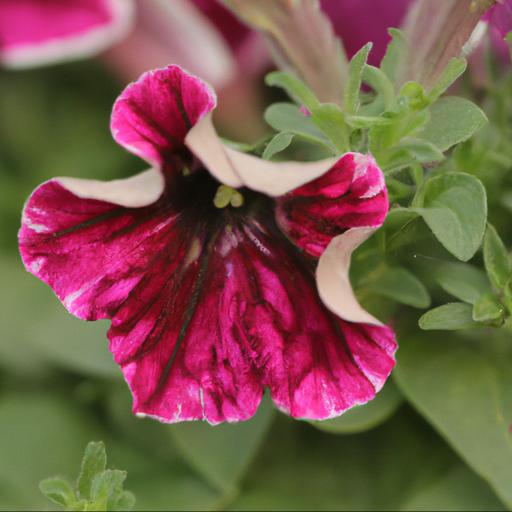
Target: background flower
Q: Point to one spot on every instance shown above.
(34, 33)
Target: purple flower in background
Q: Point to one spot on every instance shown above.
(34, 32)
(359, 21)
(500, 17)
(223, 274)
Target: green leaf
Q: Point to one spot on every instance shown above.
(449, 317)
(286, 117)
(365, 122)
(455, 489)
(452, 121)
(463, 390)
(463, 281)
(351, 101)
(455, 209)
(508, 39)
(94, 462)
(295, 88)
(381, 84)
(222, 453)
(488, 309)
(365, 417)
(331, 120)
(279, 143)
(395, 59)
(106, 489)
(402, 286)
(126, 501)
(414, 94)
(422, 150)
(302, 469)
(453, 70)
(59, 491)
(496, 258)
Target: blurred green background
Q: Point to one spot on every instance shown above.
(437, 437)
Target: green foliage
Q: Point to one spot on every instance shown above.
(277, 144)
(402, 286)
(488, 309)
(461, 387)
(97, 488)
(449, 317)
(496, 258)
(222, 453)
(452, 121)
(464, 282)
(454, 206)
(351, 101)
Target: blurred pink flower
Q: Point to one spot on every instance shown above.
(212, 300)
(35, 32)
(499, 17)
(359, 21)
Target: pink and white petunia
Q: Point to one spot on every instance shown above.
(223, 274)
(36, 32)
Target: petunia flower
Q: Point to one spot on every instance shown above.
(223, 274)
(35, 32)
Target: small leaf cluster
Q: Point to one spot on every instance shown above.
(97, 488)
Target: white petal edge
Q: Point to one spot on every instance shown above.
(137, 191)
(237, 169)
(332, 277)
(83, 45)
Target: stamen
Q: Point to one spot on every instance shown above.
(226, 196)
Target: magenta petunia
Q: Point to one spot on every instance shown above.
(34, 32)
(223, 274)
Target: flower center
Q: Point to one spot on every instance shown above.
(226, 196)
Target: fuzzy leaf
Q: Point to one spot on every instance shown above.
(449, 317)
(452, 121)
(401, 286)
(394, 61)
(353, 88)
(94, 462)
(59, 491)
(286, 117)
(296, 88)
(488, 309)
(455, 209)
(106, 489)
(277, 144)
(331, 120)
(454, 69)
(422, 150)
(496, 258)
(463, 281)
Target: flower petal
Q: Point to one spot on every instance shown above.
(153, 115)
(352, 194)
(91, 252)
(238, 169)
(142, 189)
(200, 340)
(329, 218)
(33, 32)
